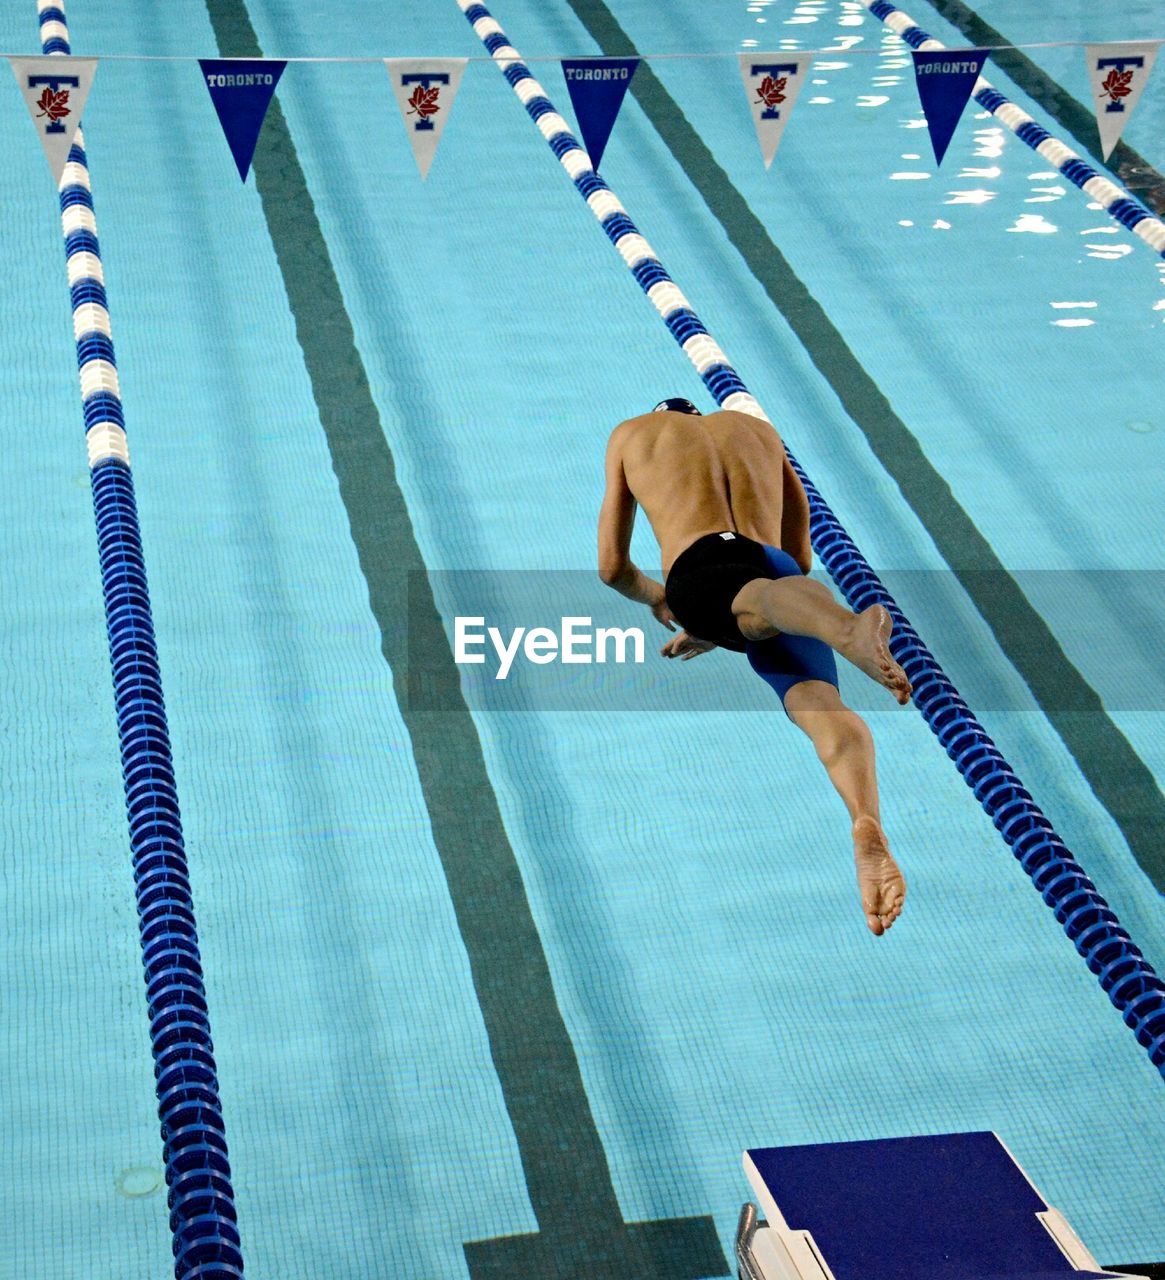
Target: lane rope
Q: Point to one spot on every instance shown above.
(203, 1220)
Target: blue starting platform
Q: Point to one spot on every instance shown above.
(949, 1207)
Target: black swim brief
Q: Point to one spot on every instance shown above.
(701, 587)
(705, 579)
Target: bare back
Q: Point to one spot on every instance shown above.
(697, 475)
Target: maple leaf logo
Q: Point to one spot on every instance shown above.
(772, 92)
(424, 102)
(54, 105)
(1117, 85)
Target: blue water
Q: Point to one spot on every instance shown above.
(688, 870)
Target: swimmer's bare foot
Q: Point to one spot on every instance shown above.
(868, 649)
(879, 878)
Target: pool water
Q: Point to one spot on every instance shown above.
(541, 961)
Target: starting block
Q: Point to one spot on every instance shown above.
(949, 1207)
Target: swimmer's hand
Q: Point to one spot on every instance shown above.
(661, 613)
(685, 646)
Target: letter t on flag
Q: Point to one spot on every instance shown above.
(597, 87)
(945, 78)
(54, 90)
(241, 90)
(772, 82)
(425, 89)
(1117, 73)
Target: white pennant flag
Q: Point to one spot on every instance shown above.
(1117, 74)
(772, 82)
(425, 89)
(54, 90)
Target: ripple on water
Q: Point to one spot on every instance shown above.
(1035, 223)
(1109, 252)
(1046, 195)
(979, 195)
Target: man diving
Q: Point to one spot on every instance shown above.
(732, 522)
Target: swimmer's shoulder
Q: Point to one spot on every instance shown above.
(732, 421)
(630, 424)
(639, 430)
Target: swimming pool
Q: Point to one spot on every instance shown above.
(697, 947)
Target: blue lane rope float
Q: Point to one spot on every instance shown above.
(1124, 973)
(201, 1199)
(1115, 201)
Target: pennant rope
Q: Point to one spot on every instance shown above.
(1115, 201)
(559, 57)
(1121, 968)
(201, 1199)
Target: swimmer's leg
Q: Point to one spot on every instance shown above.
(843, 742)
(796, 605)
(846, 748)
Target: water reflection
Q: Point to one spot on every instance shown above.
(989, 143)
(1073, 322)
(1035, 223)
(1109, 252)
(976, 195)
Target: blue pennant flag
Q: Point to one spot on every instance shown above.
(597, 88)
(945, 80)
(241, 90)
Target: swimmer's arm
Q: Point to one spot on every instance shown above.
(616, 520)
(795, 519)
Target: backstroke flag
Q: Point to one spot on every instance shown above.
(241, 90)
(597, 87)
(425, 89)
(54, 90)
(772, 82)
(945, 79)
(1117, 74)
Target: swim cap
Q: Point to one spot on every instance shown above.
(677, 405)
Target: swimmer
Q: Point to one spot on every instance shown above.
(732, 522)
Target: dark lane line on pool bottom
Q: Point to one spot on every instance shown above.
(1133, 170)
(581, 1229)
(1121, 781)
